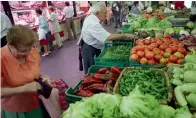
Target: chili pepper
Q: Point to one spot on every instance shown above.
(90, 82)
(98, 87)
(102, 76)
(102, 71)
(85, 93)
(107, 72)
(115, 70)
(114, 77)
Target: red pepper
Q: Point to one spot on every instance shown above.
(107, 72)
(102, 71)
(98, 87)
(115, 70)
(102, 76)
(85, 93)
(114, 77)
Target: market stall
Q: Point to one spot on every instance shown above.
(151, 77)
(24, 13)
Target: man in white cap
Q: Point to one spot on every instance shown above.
(93, 35)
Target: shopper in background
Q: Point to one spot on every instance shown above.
(109, 14)
(54, 27)
(43, 30)
(94, 35)
(125, 10)
(179, 5)
(90, 8)
(134, 8)
(5, 26)
(20, 65)
(68, 13)
(116, 10)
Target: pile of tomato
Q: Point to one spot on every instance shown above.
(152, 51)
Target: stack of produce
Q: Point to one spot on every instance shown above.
(158, 51)
(101, 81)
(152, 82)
(136, 105)
(159, 16)
(184, 78)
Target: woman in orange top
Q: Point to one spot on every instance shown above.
(20, 65)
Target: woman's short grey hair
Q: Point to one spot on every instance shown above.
(97, 7)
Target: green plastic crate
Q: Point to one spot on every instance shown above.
(71, 98)
(119, 62)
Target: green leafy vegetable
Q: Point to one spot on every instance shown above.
(183, 113)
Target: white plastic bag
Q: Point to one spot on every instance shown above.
(52, 104)
(149, 9)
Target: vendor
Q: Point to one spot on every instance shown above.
(135, 8)
(20, 65)
(94, 35)
(179, 5)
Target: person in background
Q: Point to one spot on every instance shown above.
(116, 10)
(140, 6)
(90, 9)
(5, 26)
(68, 13)
(179, 4)
(109, 14)
(94, 35)
(54, 27)
(134, 8)
(20, 65)
(125, 10)
(43, 30)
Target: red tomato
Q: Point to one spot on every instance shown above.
(180, 45)
(134, 57)
(143, 60)
(179, 61)
(173, 47)
(168, 50)
(154, 45)
(133, 51)
(181, 50)
(151, 62)
(166, 36)
(147, 42)
(140, 47)
(150, 47)
(140, 54)
(159, 42)
(153, 40)
(163, 61)
(156, 51)
(149, 55)
(173, 59)
(157, 57)
(163, 47)
(162, 52)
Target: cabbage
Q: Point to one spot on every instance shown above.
(166, 112)
(151, 22)
(190, 76)
(99, 106)
(193, 32)
(137, 105)
(137, 25)
(170, 31)
(189, 66)
(191, 99)
(177, 82)
(183, 113)
(190, 58)
(190, 24)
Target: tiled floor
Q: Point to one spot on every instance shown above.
(64, 63)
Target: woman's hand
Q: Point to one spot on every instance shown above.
(47, 79)
(31, 87)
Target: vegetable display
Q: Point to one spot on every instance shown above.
(184, 79)
(135, 105)
(150, 81)
(159, 16)
(158, 51)
(101, 81)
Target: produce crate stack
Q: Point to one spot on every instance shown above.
(115, 54)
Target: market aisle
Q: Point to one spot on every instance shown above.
(63, 63)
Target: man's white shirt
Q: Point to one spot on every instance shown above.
(93, 32)
(68, 12)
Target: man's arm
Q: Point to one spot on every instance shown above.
(121, 37)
